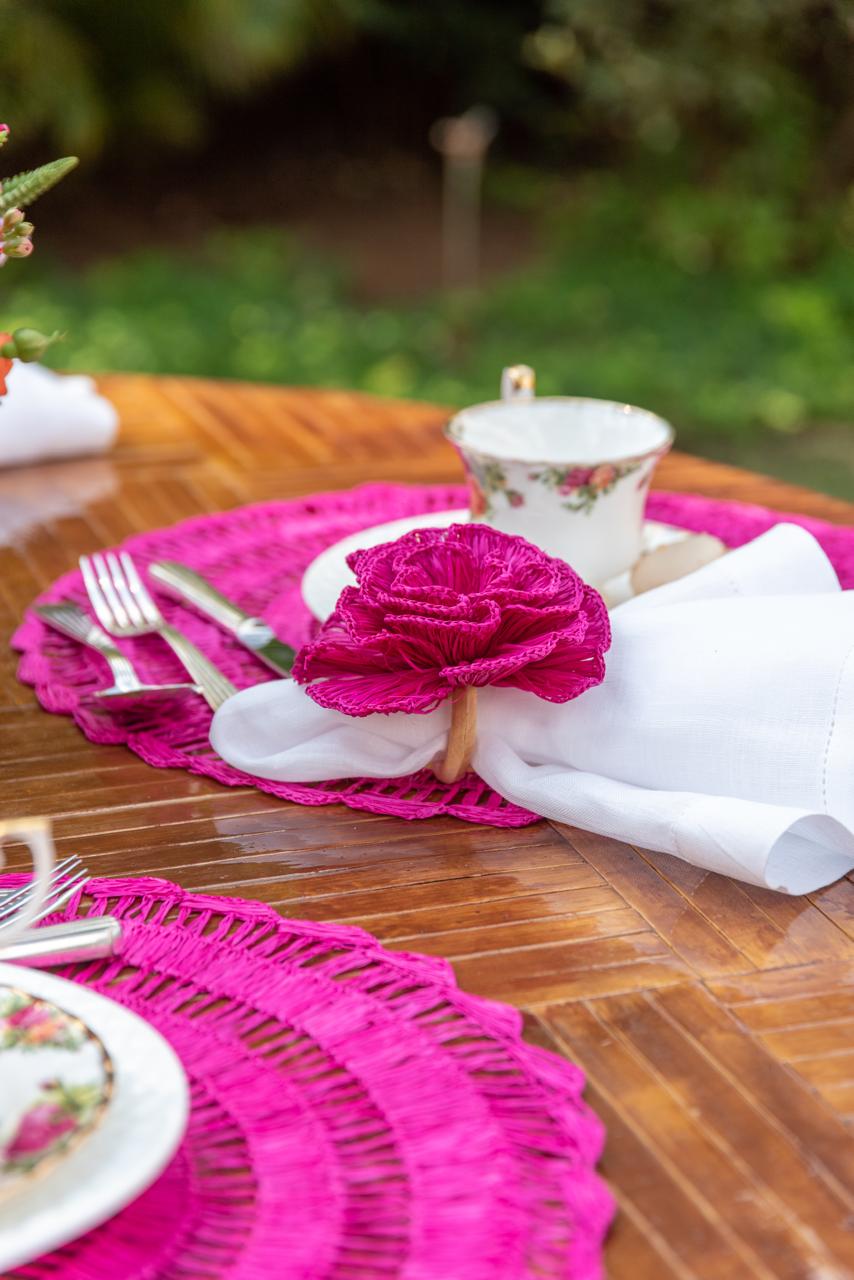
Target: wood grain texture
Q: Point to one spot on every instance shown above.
(715, 1021)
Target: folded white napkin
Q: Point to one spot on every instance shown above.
(723, 732)
(50, 415)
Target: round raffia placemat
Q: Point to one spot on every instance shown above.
(257, 556)
(354, 1116)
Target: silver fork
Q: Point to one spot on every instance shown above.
(65, 879)
(70, 942)
(70, 620)
(124, 607)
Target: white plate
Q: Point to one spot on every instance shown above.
(137, 1137)
(328, 574)
(55, 1086)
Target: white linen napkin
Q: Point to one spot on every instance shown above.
(52, 415)
(723, 732)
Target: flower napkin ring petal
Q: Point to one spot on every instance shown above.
(441, 613)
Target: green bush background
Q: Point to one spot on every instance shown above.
(689, 166)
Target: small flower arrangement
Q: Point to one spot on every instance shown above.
(439, 614)
(16, 242)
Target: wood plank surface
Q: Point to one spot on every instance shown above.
(715, 1021)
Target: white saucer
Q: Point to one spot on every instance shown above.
(328, 574)
(134, 1141)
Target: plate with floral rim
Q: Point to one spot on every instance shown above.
(328, 574)
(56, 1079)
(111, 1115)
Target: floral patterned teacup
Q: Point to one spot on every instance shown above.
(569, 474)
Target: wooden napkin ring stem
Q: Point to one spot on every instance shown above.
(461, 737)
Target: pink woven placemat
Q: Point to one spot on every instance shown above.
(354, 1115)
(257, 556)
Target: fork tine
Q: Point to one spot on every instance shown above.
(61, 868)
(117, 577)
(95, 594)
(62, 894)
(105, 582)
(66, 618)
(139, 589)
(58, 896)
(12, 899)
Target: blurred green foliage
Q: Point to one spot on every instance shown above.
(756, 94)
(739, 350)
(88, 73)
(691, 161)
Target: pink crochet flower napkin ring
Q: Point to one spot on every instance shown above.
(439, 614)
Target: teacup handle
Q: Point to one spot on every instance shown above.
(36, 834)
(518, 382)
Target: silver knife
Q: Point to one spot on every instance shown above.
(253, 633)
(93, 938)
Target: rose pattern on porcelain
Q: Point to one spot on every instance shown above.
(580, 487)
(55, 1082)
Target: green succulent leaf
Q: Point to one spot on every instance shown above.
(26, 187)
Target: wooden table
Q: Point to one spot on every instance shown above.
(714, 1020)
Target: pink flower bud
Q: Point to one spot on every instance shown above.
(12, 218)
(22, 249)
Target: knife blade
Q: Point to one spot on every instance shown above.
(253, 633)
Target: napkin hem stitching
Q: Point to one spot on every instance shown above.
(833, 718)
